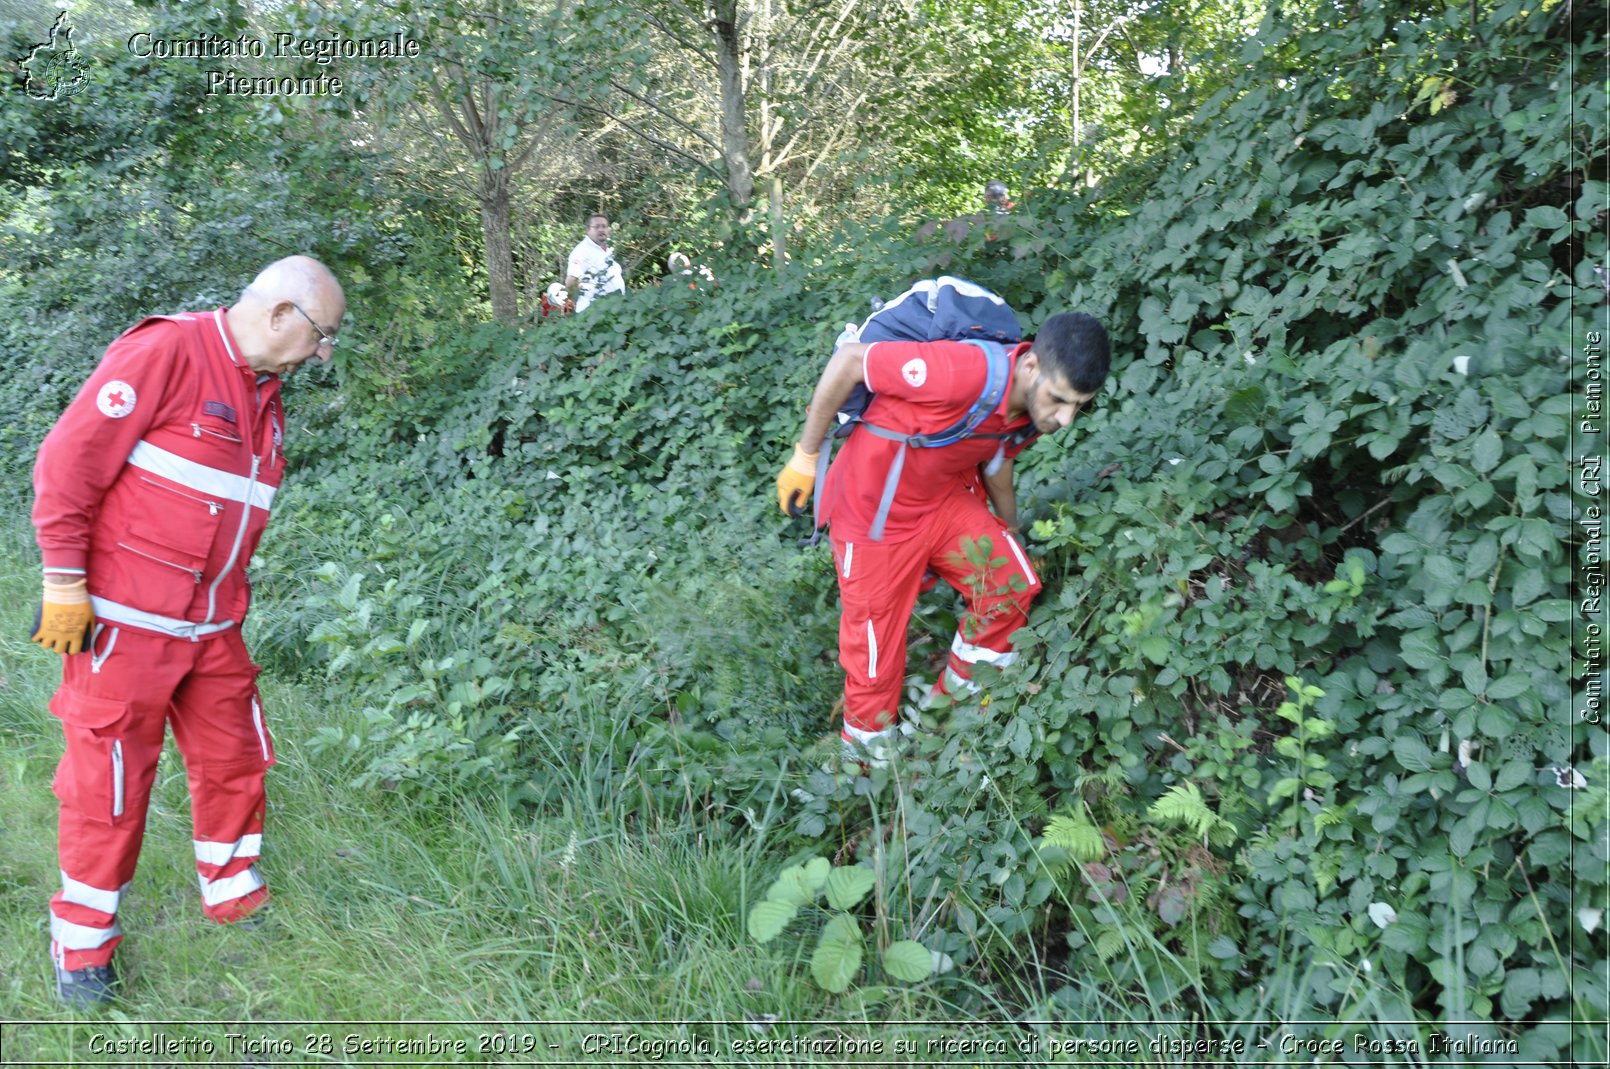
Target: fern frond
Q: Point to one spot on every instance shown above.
(1183, 804)
(1073, 833)
(1109, 944)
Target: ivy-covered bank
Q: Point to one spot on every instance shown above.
(1291, 736)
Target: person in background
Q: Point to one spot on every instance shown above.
(592, 271)
(680, 265)
(150, 495)
(556, 300)
(995, 200)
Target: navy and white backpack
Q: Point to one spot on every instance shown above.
(935, 309)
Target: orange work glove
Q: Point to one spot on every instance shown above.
(797, 480)
(63, 622)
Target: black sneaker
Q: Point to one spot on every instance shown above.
(256, 919)
(88, 988)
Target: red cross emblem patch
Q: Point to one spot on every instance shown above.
(116, 399)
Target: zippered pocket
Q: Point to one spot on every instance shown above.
(213, 507)
(92, 779)
(117, 778)
(262, 732)
(96, 660)
(194, 572)
(200, 430)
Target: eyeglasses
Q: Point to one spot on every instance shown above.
(325, 337)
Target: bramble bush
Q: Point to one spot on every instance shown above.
(1335, 468)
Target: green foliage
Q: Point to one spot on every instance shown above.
(840, 947)
(1305, 627)
(1183, 804)
(1336, 459)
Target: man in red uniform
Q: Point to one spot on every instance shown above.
(150, 495)
(939, 503)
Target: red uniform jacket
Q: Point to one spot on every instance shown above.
(157, 481)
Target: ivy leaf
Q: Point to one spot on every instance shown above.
(1155, 648)
(768, 919)
(1487, 452)
(908, 960)
(1522, 987)
(847, 886)
(1512, 685)
(1547, 217)
(838, 954)
(1412, 753)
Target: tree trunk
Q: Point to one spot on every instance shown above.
(779, 227)
(495, 234)
(774, 181)
(1077, 140)
(734, 128)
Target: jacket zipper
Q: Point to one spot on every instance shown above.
(240, 536)
(213, 507)
(196, 572)
(199, 430)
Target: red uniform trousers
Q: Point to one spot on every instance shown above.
(113, 703)
(878, 587)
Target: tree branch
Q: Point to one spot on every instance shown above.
(662, 110)
(644, 134)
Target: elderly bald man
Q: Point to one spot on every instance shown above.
(150, 495)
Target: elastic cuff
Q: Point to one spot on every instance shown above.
(72, 592)
(63, 558)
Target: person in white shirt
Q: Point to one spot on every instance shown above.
(592, 271)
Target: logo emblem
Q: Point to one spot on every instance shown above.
(219, 409)
(55, 68)
(915, 371)
(116, 399)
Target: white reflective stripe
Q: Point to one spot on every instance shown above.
(1022, 561)
(230, 888)
(214, 853)
(201, 477)
(863, 737)
(150, 621)
(955, 683)
(82, 894)
(972, 654)
(872, 652)
(70, 936)
(849, 555)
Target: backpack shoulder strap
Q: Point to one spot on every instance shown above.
(997, 371)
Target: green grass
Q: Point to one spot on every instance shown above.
(385, 910)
